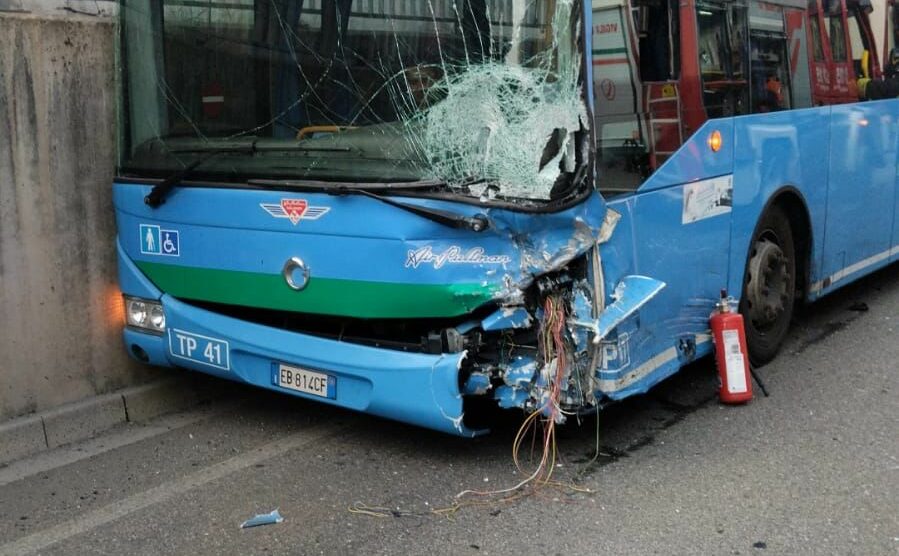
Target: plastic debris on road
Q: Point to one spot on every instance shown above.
(263, 519)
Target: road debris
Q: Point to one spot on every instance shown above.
(263, 519)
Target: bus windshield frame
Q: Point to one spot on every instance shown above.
(486, 98)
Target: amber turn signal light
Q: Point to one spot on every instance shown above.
(715, 141)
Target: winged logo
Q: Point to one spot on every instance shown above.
(294, 210)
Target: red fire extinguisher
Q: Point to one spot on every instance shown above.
(731, 354)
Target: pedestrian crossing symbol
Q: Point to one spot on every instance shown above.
(156, 241)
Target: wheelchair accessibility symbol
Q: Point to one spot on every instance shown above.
(156, 241)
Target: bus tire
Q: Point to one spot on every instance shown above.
(769, 286)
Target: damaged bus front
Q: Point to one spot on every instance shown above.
(387, 206)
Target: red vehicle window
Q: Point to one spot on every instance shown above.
(837, 34)
(817, 46)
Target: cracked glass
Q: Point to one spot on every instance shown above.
(479, 98)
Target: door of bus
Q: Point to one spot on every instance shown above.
(863, 147)
(861, 195)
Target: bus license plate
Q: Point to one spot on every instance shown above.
(308, 382)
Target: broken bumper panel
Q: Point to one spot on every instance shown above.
(419, 389)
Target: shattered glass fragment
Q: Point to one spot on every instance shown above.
(496, 124)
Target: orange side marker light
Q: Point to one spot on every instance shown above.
(715, 141)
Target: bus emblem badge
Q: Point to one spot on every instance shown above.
(294, 210)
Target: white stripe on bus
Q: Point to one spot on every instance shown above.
(853, 268)
(647, 368)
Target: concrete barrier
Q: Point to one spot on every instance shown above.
(72, 422)
(60, 310)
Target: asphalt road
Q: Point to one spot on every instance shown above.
(812, 469)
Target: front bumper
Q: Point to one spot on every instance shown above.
(414, 388)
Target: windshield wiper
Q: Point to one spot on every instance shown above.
(476, 223)
(157, 195)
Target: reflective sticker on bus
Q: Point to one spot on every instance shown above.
(707, 198)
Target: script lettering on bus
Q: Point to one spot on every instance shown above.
(453, 255)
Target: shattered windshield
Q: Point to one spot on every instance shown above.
(481, 96)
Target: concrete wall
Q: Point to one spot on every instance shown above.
(60, 311)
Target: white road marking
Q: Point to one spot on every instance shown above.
(42, 539)
(130, 434)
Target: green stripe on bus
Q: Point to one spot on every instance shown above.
(606, 51)
(326, 296)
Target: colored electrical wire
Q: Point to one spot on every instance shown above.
(543, 419)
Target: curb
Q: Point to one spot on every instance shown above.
(25, 436)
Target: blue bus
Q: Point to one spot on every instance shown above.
(411, 208)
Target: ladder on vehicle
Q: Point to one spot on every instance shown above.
(664, 121)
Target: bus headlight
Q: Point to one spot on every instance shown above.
(157, 317)
(145, 314)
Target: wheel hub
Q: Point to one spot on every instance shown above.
(768, 282)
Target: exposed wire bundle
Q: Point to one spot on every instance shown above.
(555, 364)
(552, 347)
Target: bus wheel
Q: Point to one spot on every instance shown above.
(769, 286)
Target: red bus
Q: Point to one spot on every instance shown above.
(663, 67)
